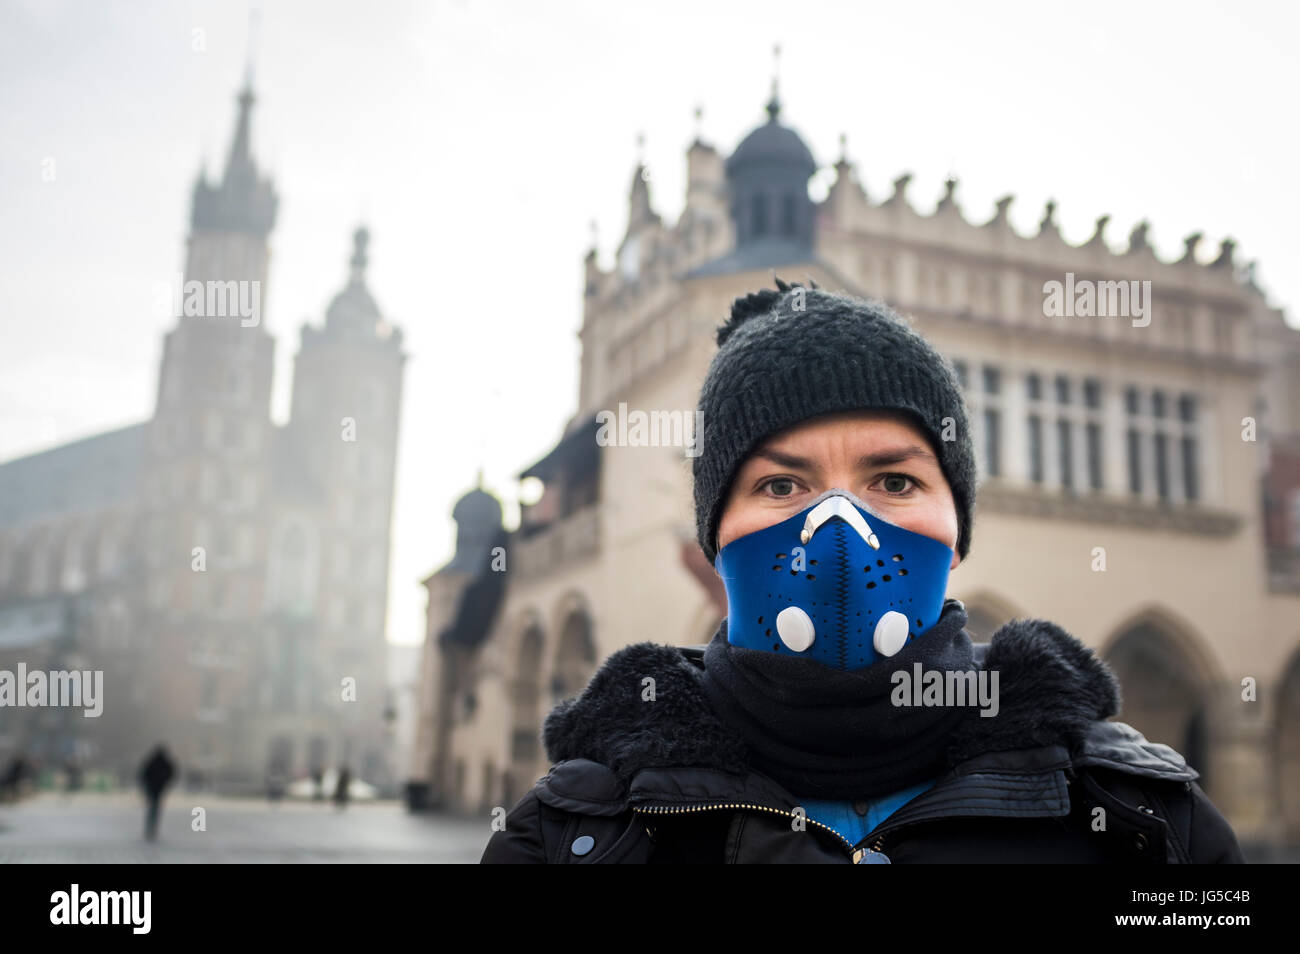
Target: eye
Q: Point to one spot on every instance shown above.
(779, 482)
(890, 483)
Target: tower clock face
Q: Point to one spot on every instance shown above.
(629, 259)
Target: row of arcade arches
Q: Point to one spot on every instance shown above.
(1168, 679)
(534, 686)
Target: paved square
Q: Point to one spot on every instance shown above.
(88, 828)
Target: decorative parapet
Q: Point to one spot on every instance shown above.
(897, 220)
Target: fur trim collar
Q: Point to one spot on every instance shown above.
(1052, 689)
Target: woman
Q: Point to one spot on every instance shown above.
(842, 713)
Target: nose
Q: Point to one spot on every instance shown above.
(842, 507)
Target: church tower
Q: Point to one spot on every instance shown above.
(220, 353)
(343, 434)
(205, 467)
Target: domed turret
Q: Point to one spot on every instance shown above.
(477, 509)
(478, 522)
(775, 143)
(353, 310)
(767, 177)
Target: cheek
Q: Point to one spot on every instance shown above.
(938, 521)
(727, 528)
(738, 520)
(945, 524)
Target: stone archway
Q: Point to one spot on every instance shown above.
(525, 709)
(575, 655)
(1165, 688)
(1287, 754)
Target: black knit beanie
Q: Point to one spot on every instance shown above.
(789, 354)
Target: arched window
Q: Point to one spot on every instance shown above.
(7, 548)
(294, 569)
(208, 693)
(526, 715)
(112, 625)
(788, 215)
(108, 552)
(575, 657)
(1163, 691)
(73, 572)
(759, 207)
(39, 559)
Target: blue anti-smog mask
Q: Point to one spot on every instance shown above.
(836, 583)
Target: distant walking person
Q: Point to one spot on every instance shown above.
(11, 785)
(156, 773)
(276, 780)
(318, 784)
(341, 789)
(73, 770)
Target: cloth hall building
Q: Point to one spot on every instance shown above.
(1173, 446)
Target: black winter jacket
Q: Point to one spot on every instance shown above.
(1050, 780)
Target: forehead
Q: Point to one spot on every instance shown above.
(859, 427)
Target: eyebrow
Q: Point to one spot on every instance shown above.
(885, 458)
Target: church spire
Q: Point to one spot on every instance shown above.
(640, 212)
(243, 201)
(359, 259)
(252, 49)
(774, 104)
(240, 163)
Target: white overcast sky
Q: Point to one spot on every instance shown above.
(477, 140)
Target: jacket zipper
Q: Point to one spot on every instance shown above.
(663, 810)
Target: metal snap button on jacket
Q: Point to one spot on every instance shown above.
(864, 857)
(582, 845)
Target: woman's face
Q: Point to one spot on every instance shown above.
(878, 455)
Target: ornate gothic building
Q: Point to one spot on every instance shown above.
(229, 575)
(1169, 448)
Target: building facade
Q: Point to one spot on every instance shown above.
(228, 574)
(1138, 474)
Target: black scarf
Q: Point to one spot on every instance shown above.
(826, 733)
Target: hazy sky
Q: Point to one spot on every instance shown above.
(477, 140)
